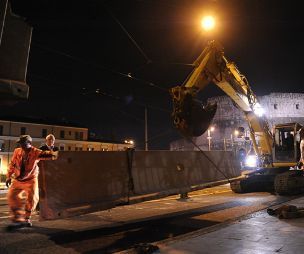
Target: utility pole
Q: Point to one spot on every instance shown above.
(209, 140)
(146, 129)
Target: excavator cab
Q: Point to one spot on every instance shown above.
(286, 143)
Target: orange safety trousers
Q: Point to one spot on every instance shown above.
(22, 199)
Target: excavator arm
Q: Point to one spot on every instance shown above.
(191, 118)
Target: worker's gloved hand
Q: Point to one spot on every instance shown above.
(55, 155)
(8, 182)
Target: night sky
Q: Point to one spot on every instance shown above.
(82, 52)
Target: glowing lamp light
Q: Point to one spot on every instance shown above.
(258, 110)
(211, 128)
(208, 23)
(236, 132)
(129, 141)
(251, 161)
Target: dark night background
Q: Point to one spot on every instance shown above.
(79, 47)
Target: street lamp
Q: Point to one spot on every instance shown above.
(211, 129)
(236, 133)
(208, 23)
(130, 142)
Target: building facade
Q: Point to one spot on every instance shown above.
(228, 120)
(68, 138)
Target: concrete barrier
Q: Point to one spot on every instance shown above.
(82, 182)
(156, 171)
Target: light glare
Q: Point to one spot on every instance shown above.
(258, 110)
(251, 161)
(208, 23)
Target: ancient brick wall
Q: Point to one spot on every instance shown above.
(279, 108)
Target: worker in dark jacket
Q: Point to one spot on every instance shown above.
(49, 144)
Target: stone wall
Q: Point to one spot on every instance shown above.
(279, 108)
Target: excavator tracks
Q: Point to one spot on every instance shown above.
(255, 183)
(289, 183)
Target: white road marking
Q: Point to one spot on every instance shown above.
(4, 217)
(190, 195)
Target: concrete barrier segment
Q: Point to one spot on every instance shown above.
(83, 182)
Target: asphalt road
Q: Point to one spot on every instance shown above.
(124, 227)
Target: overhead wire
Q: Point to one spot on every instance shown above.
(98, 91)
(125, 75)
(148, 60)
(129, 75)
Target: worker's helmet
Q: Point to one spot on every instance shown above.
(24, 139)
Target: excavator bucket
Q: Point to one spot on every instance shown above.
(191, 117)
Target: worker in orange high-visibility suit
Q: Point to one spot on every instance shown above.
(22, 178)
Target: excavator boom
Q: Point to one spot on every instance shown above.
(191, 118)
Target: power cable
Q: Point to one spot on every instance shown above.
(96, 91)
(99, 92)
(125, 75)
(148, 60)
(82, 61)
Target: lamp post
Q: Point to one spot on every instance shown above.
(232, 141)
(235, 134)
(211, 129)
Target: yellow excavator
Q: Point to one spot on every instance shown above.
(273, 159)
